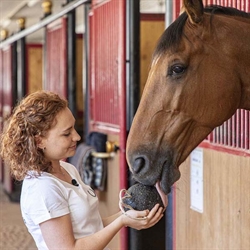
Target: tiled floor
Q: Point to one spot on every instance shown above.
(13, 233)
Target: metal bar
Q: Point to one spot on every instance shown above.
(71, 62)
(71, 6)
(21, 69)
(13, 72)
(85, 73)
(169, 12)
(45, 63)
(132, 59)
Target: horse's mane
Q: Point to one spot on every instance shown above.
(173, 34)
(228, 11)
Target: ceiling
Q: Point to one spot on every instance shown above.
(12, 10)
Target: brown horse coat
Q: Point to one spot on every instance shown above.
(199, 77)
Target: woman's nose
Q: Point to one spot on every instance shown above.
(76, 136)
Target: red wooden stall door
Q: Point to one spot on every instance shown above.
(56, 60)
(107, 85)
(107, 71)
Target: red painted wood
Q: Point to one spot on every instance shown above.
(177, 4)
(107, 83)
(56, 59)
(152, 17)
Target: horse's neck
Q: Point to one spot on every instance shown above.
(245, 98)
(245, 77)
(243, 63)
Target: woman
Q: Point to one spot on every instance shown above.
(58, 212)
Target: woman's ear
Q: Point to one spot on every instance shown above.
(39, 142)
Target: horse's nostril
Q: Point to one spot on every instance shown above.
(138, 164)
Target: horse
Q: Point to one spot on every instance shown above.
(199, 77)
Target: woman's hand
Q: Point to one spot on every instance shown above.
(142, 219)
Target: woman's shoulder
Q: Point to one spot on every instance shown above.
(43, 187)
(43, 181)
(42, 194)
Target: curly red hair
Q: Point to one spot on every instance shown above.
(31, 119)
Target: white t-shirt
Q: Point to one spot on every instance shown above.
(46, 197)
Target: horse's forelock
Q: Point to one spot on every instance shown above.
(171, 36)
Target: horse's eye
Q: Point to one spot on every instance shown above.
(176, 70)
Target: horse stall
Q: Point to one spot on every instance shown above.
(63, 72)
(106, 88)
(26, 64)
(61, 65)
(93, 82)
(109, 71)
(211, 201)
(8, 95)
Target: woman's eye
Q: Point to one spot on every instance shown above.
(67, 134)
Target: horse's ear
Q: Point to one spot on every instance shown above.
(194, 9)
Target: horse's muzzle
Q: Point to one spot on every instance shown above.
(148, 169)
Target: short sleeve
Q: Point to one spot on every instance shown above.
(46, 200)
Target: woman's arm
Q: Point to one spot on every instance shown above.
(107, 220)
(58, 232)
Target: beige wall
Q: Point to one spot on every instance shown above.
(109, 199)
(34, 67)
(225, 222)
(151, 29)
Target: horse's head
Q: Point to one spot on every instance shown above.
(193, 86)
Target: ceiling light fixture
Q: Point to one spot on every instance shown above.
(32, 2)
(5, 22)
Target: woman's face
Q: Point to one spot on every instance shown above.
(60, 141)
